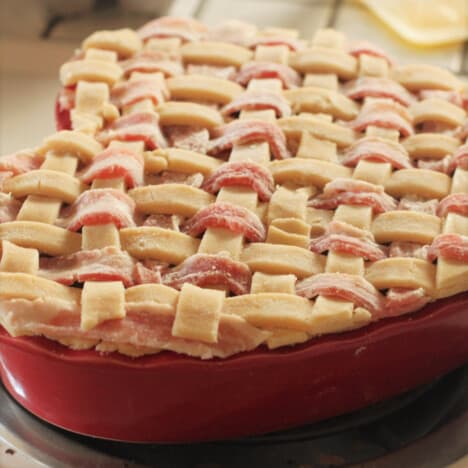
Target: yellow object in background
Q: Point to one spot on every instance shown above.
(424, 22)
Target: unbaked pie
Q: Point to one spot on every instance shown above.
(213, 190)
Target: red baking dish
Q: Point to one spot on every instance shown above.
(173, 398)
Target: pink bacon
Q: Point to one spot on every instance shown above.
(151, 61)
(9, 207)
(379, 87)
(377, 149)
(130, 92)
(244, 173)
(292, 44)
(344, 286)
(227, 73)
(384, 113)
(357, 48)
(344, 238)
(116, 162)
(248, 131)
(20, 162)
(226, 215)
(107, 264)
(399, 301)
(100, 206)
(459, 159)
(145, 326)
(440, 165)
(410, 204)
(211, 270)
(449, 246)
(139, 126)
(455, 97)
(258, 100)
(189, 138)
(260, 70)
(353, 192)
(454, 203)
(408, 249)
(187, 29)
(233, 31)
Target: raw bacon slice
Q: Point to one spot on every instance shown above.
(353, 192)
(244, 173)
(140, 126)
(439, 165)
(107, 264)
(449, 246)
(233, 31)
(343, 286)
(248, 131)
(384, 113)
(292, 44)
(379, 87)
(187, 29)
(356, 48)
(149, 271)
(4, 175)
(454, 97)
(462, 132)
(20, 162)
(377, 149)
(454, 203)
(259, 70)
(399, 301)
(9, 208)
(344, 238)
(100, 206)
(189, 138)
(152, 61)
(172, 222)
(258, 100)
(130, 92)
(206, 270)
(227, 73)
(226, 215)
(459, 159)
(412, 204)
(408, 249)
(146, 325)
(168, 177)
(116, 162)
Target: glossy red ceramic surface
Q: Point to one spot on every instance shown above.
(173, 398)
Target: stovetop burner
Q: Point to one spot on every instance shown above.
(427, 426)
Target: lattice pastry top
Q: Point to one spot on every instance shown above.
(212, 190)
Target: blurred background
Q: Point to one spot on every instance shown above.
(37, 36)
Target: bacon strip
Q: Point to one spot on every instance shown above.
(408, 249)
(130, 92)
(259, 70)
(187, 29)
(410, 204)
(248, 131)
(384, 113)
(227, 73)
(353, 192)
(439, 165)
(169, 177)
(344, 286)
(149, 271)
(344, 238)
(189, 138)
(459, 159)
(145, 326)
(151, 61)
(164, 221)
(377, 149)
(244, 173)
(211, 270)
(293, 44)
(399, 301)
(139, 126)
(100, 206)
(455, 97)
(449, 246)
(258, 100)
(233, 31)
(20, 162)
(9, 208)
(379, 87)
(116, 162)
(356, 48)
(454, 203)
(107, 264)
(226, 215)
(462, 132)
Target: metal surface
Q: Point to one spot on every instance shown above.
(426, 428)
